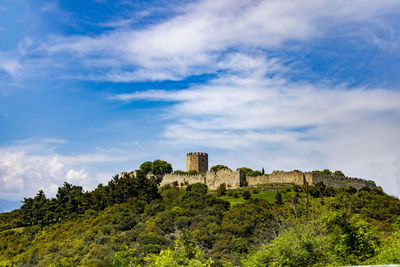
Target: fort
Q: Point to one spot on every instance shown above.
(198, 162)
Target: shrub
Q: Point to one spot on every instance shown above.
(278, 198)
(326, 172)
(198, 188)
(338, 173)
(221, 190)
(246, 194)
(218, 167)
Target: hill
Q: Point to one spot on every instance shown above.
(132, 222)
(9, 205)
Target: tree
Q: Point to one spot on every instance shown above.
(246, 194)
(278, 198)
(157, 167)
(250, 172)
(146, 167)
(338, 173)
(198, 188)
(34, 209)
(221, 190)
(69, 200)
(184, 254)
(326, 172)
(218, 167)
(161, 167)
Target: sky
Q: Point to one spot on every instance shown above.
(89, 89)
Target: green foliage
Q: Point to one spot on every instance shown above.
(221, 190)
(278, 198)
(218, 167)
(71, 201)
(146, 167)
(184, 253)
(338, 173)
(321, 190)
(389, 252)
(198, 188)
(297, 246)
(132, 222)
(125, 257)
(157, 167)
(161, 167)
(250, 172)
(326, 172)
(246, 194)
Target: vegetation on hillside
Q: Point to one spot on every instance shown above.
(133, 222)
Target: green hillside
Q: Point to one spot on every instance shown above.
(132, 222)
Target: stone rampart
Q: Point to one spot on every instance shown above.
(338, 181)
(235, 179)
(231, 179)
(182, 178)
(211, 179)
(300, 178)
(257, 180)
(295, 177)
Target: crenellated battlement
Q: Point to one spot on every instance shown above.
(197, 161)
(196, 154)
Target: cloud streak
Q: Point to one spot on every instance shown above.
(354, 129)
(192, 42)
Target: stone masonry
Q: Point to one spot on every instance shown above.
(232, 179)
(198, 161)
(301, 178)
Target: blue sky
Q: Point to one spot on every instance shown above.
(92, 88)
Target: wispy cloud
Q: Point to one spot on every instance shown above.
(192, 42)
(10, 65)
(354, 129)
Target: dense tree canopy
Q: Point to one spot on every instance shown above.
(133, 222)
(218, 167)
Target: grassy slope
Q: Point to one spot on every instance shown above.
(267, 193)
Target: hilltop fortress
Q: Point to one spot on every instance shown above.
(198, 161)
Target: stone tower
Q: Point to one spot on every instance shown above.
(197, 161)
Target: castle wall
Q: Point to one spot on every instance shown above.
(257, 180)
(197, 161)
(181, 178)
(337, 181)
(294, 177)
(211, 179)
(230, 178)
(299, 178)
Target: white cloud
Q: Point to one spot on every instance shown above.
(283, 125)
(192, 42)
(11, 66)
(31, 165)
